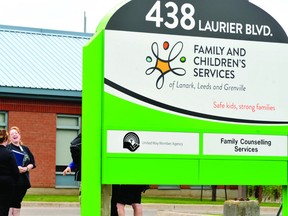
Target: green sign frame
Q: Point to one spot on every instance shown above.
(176, 92)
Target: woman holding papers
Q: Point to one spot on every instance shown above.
(9, 174)
(28, 163)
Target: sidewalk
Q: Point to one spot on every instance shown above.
(192, 209)
(151, 209)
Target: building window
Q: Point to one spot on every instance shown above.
(169, 187)
(68, 127)
(3, 120)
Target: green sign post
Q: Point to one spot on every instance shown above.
(185, 92)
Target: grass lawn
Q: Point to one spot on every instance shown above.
(51, 198)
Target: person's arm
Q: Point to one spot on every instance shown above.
(14, 167)
(69, 169)
(32, 163)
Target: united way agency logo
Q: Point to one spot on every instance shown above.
(131, 141)
(164, 60)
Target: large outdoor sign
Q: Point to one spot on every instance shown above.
(186, 92)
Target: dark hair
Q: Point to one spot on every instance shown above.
(3, 136)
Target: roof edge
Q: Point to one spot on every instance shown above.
(44, 31)
(33, 93)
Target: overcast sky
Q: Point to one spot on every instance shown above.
(69, 14)
(55, 14)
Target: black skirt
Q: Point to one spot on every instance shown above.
(127, 194)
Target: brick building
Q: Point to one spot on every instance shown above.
(40, 92)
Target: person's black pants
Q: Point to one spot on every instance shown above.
(5, 199)
(113, 211)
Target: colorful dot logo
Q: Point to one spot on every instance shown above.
(164, 65)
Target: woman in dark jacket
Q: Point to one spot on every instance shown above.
(9, 174)
(28, 163)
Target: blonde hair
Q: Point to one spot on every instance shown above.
(15, 128)
(3, 136)
(18, 131)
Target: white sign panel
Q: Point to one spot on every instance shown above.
(225, 78)
(152, 142)
(241, 144)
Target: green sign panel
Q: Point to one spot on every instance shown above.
(185, 92)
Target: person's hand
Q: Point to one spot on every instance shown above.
(67, 170)
(22, 169)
